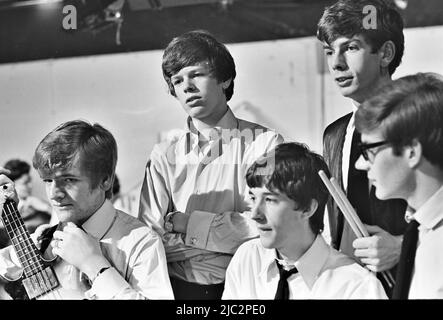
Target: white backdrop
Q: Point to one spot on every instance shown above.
(279, 84)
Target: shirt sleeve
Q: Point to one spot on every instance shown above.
(225, 232)
(368, 288)
(155, 198)
(147, 276)
(10, 268)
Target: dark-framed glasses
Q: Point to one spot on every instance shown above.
(367, 153)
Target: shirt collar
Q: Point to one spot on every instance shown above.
(309, 265)
(99, 223)
(228, 121)
(431, 212)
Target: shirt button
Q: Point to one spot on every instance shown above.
(193, 240)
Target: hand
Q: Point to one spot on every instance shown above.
(180, 221)
(380, 251)
(79, 249)
(7, 187)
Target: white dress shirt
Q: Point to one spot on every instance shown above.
(135, 252)
(206, 181)
(427, 277)
(323, 273)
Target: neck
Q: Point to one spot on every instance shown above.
(428, 180)
(212, 120)
(385, 78)
(297, 248)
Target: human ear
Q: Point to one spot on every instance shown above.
(226, 84)
(387, 53)
(106, 183)
(311, 210)
(414, 153)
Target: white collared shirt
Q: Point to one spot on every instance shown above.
(323, 273)
(346, 151)
(134, 250)
(427, 278)
(209, 186)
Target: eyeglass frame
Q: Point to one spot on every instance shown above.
(364, 147)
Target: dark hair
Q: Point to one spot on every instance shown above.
(92, 145)
(193, 48)
(409, 108)
(17, 167)
(294, 173)
(345, 19)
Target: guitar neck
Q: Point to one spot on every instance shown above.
(25, 248)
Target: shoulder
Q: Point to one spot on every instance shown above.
(130, 230)
(250, 253)
(257, 137)
(341, 264)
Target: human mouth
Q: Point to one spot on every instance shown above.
(343, 81)
(61, 206)
(192, 99)
(264, 229)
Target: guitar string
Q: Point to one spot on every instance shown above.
(19, 226)
(29, 251)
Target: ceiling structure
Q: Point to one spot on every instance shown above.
(33, 29)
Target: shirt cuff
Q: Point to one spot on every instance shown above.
(107, 285)
(198, 229)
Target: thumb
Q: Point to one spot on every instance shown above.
(373, 229)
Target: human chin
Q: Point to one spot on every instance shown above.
(267, 239)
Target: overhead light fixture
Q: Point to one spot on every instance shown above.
(401, 4)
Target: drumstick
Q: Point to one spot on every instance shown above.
(350, 215)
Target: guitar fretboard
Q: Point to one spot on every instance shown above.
(25, 248)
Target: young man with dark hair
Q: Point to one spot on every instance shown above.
(291, 260)
(361, 59)
(402, 152)
(121, 257)
(194, 189)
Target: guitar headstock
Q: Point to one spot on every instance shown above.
(7, 191)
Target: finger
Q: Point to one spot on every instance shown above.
(59, 235)
(4, 171)
(362, 243)
(71, 225)
(373, 229)
(363, 253)
(371, 262)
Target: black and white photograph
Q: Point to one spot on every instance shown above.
(213, 156)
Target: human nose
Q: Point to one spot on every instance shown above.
(362, 163)
(257, 211)
(189, 85)
(55, 191)
(338, 61)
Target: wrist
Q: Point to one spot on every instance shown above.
(93, 267)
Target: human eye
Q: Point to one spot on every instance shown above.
(271, 200)
(328, 52)
(353, 47)
(69, 180)
(175, 81)
(47, 181)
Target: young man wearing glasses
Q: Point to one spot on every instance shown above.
(360, 61)
(402, 152)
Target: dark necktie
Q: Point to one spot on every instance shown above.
(358, 188)
(283, 287)
(406, 263)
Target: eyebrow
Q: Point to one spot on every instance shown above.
(270, 193)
